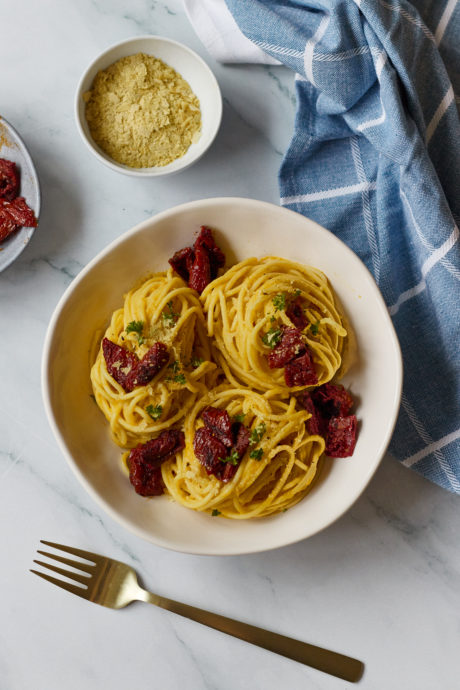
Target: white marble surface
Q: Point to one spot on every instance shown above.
(381, 584)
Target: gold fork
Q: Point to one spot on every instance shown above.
(114, 584)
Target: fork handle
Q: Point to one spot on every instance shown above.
(335, 664)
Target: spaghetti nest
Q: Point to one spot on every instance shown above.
(273, 475)
(162, 309)
(247, 308)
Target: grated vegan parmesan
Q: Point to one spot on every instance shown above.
(142, 113)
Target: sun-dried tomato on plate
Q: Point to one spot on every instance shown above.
(9, 180)
(14, 211)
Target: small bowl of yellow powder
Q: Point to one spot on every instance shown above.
(148, 106)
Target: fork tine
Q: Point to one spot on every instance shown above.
(83, 579)
(68, 561)
(75, 552)
(79, 591)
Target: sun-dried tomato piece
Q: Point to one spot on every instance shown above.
(146, 479)
(189, 261)
(199, 265)
(220, 444)
(120, 363)
(14, 215)
(333, 400)
(300, 371)
(150, 364)
(290, 345)
(341, 436)
(220, 424)
(7, 226)
(296, 314)
(145, 461)
(9, 180)
(18, 211)
(242, 435)
(216, 256)
(229, 472)
(316, 425)
(182, 261)
(200, 272)
(209, 450)
(14, 211)
(159, 449)
(127, 369)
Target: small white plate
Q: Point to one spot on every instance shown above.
(13, 149)
(190, 66)
(244, 228)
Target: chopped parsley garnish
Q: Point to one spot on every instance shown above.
(196, 361)
(297, 293)
(215, 512)
(178, 377)
(279, 301)
(272, 337)
(239, 417)
(314, 327)
(257, 433)
(256, 454)
(154, 411)
(136, 327)
(232, 459)
(169, 315)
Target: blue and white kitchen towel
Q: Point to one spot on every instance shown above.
(375, 157)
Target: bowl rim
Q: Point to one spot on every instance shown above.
(33, 171)
(153, 171)
(126, 523)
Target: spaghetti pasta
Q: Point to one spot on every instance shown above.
(171, 313)
(247, 304)
(215, 422)
(264, 484)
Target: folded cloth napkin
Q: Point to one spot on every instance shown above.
(220, 34)
(375, 157)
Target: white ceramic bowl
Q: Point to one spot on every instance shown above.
(244, 228)
(190, 66)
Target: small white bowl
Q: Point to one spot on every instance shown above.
(190, 66)
(244, 228)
